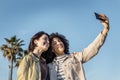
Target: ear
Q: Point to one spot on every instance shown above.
(35, 42)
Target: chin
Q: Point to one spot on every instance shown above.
(45, 49)
(61, 50)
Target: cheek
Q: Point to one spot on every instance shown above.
(53, 49)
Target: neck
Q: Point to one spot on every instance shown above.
(37, 53)
(60, 54)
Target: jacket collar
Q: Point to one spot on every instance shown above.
(64, 56)
(35, 58)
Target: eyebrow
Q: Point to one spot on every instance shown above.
(53, 41)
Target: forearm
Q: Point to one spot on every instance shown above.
(94, 47)
(106, 29)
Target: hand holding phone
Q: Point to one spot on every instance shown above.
(103, 19)
(100, 17)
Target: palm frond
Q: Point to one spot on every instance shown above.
(13, 39)
(21, 41)
(7, 40)
(25, 52)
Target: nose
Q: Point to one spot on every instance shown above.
(48, 41)
(58, 43)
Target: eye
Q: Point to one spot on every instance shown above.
(45, 38)
(54, 42)
(59, 40)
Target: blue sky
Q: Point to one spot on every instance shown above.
(73, 18)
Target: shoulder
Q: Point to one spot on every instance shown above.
(75, 54)
(27, 57)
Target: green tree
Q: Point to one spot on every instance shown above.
(19, 58)
(13, 51)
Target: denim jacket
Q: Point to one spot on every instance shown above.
(73, 63)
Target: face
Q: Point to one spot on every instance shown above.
(57, 46)
(42, 43)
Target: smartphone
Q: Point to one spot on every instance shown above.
(98, 17)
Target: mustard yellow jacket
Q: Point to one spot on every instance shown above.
(29, 68)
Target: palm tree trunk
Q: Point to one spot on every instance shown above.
(11, 69)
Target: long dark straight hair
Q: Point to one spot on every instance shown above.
(32, 45)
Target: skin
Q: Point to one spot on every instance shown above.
(105, 24)
(58, 46)
(42, 45)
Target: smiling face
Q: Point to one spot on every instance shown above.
(42, 43)
(57, 46)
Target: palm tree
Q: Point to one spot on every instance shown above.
(19, 58)
(13, 51)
